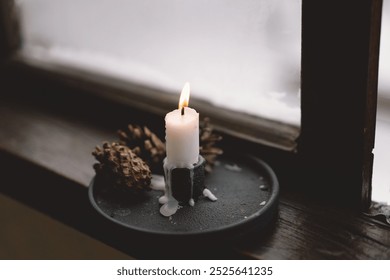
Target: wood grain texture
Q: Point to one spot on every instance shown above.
(309, 230)
(52, 152)
(61, 146)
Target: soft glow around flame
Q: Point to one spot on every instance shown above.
(184, 96)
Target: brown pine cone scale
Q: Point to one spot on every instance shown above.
(144, 144)
(121, 166)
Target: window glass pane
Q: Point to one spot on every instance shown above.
(240, 55)
(381, 175)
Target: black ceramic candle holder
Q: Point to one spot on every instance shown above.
(185, 183)
(247, 191)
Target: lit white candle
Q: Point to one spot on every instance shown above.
(182, 133)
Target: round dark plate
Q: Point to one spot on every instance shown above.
(247, 191)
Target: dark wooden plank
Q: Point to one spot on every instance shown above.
(315, 230)
(52, 152)
(50, 141)
(339, 71)
(9, 28)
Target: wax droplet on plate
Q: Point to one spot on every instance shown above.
(170, 208)
(207, 193)
(233, 167)
(263, 187)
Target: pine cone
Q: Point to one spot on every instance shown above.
(144, 144)
(119, 165)
(207, 141)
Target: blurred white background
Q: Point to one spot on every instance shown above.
(241, 55)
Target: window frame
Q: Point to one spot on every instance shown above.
(345, 167)
(336, 145)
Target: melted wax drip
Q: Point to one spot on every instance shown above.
(169, 204)
(169, 208)
(157, 183)
(207, 193)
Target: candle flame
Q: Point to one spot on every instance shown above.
(184, 96)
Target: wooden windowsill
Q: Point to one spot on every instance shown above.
(46, 160)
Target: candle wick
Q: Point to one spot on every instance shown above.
(182, 111)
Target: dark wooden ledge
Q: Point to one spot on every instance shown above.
(46, 161)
